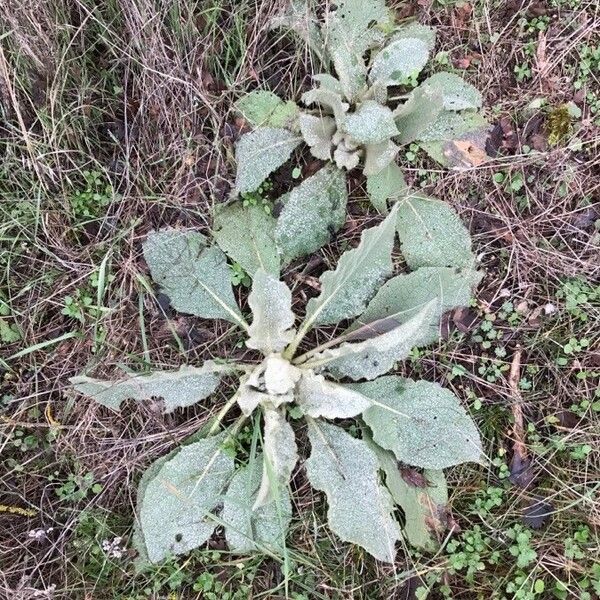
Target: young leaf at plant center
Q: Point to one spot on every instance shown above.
(399, 61)
(318, 397)
(259, 153)
(195, 278)
(432, 235)
(372, 123)
(327, 99)
(386, 185)
(417, 114)
(424, 508)
(266, 109)
(346, 290)
(250, 530)
(178, 389)
(360, 510)
(421, 422)
(247, 235)
(317, 133)
(272, 316)
(280, 457)
(175, 515)
(311, 212)
(375, 356)
(401, 297)
(455, 91)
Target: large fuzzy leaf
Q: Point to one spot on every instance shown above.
(264, 528)
(266, 109)
(272, 316)
(346, 290)
(317, 133)
(456, 92)
(195, 278)
(259, 153)
(178, 389)
(379, 156)
(312, 211)
(247, 235)
(424, 508)
(403, 296)
(418, 31)
(386, 185)
(418, 113)
(280, 457)
(353, 28)
(360, 510)
(175, 514)
(374, 356)
(318, 397)
(372, 123)
(399, 61)
(432, 235)
(422, 423)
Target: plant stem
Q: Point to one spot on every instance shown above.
(222, 414)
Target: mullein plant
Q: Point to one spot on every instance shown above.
(362, 423)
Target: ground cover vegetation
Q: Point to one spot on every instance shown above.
(121, 125)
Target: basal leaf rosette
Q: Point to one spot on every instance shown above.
(201, 485)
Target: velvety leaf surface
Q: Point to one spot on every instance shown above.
(398, 61)
(456, 92)
(318, 397)
(360, 510)
(375, 356)
(416, 30)
(432, 235)
(280, 457)
(372, 123)
(417, 114)
(327, 99)
(424, 508)
(386, 185)
(421, 422)
(311, 212)
(175, 515)
(317, 133)
(266, 109)
(272, 316)
(259, 153)
(346, 290)
(247, 235)
(403, 296)
(264, 528)
(196, 279)
(178, 389)
(379, 156)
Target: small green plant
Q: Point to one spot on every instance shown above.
(186, 494)
(9, 330)
(369, 109)
(91, 201)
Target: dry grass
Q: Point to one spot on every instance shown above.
(141, 92)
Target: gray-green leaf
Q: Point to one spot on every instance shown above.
(318, 397)
(422, 423)
(424, 508)
(386, 185)
(379, 156)
(331, 100)
(311, 212)
(418, 113)
(272, 316)
(359, 272)
(266, 109)
(247, 235)
(360, 510)
(178, 389)
(317, 133)
(432, 235)
(372, 123)
(195, 278)
(178, 503)
(416, 30)
(248, 530)
(456, 92)
(399, 61)
(403, 296)
(259, 153)
(374, 356)
(280, 456)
